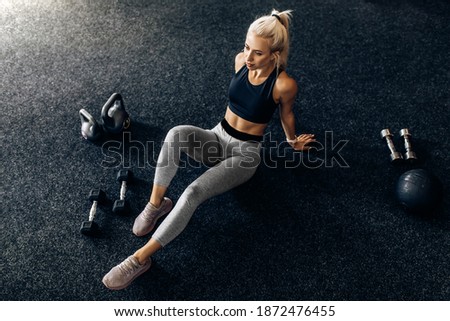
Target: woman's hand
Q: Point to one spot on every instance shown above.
(301, 142)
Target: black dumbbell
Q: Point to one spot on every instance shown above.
(409, 154)
(123, 177)
(90, 227)
(396, 157)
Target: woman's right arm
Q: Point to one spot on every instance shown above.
(239, 61)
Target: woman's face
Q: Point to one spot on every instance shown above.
(257, 52)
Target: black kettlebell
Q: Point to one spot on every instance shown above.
(90, 129)
(115, 118)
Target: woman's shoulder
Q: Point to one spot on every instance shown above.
(239, 61)
(285, 83)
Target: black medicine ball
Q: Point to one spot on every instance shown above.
(419, 191)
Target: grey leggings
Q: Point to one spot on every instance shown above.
(231, 162)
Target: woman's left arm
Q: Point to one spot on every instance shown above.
(287, 88)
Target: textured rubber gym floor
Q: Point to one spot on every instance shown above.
(326, 228)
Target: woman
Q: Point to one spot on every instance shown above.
(231, 149)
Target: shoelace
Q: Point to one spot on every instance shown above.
(128, 266)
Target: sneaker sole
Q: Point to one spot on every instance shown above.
(129, 282)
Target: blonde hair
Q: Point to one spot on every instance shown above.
(275, 28)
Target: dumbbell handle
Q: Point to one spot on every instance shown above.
(390, 144)
(408, 145)
(93, 210)
(123, 190)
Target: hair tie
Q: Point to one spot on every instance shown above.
(276, 16)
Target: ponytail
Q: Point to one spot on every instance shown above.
(275, 28)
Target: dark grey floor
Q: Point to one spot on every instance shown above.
(325, 228)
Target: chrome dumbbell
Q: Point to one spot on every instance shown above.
(387, 136)
(409, 154)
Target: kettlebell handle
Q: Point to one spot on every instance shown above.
(86, 117)
(90, 129)
(114, 116)
(114, 97)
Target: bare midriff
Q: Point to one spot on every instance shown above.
(243, 125)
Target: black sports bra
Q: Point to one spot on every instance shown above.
(252, 102)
